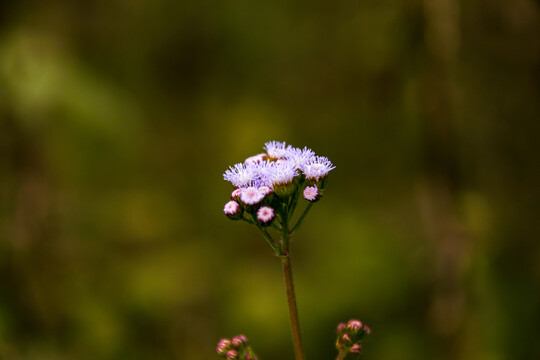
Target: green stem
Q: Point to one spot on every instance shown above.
(270, 241)
(299, 222)
(342, 355)
(293, 310)
(294, 202)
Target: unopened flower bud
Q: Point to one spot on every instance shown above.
(232, 355)
(340, 327)
(223, 346)
(265, 190)
(367, 330)
(346, 339)
(265, 214)
(355, 349)
(311, 193)
(354, 325)
(235, 195)
(239, 340)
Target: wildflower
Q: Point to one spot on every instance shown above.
(317, 168)
(223, 346)
(251, 195)
(298, 157)
(280, 177)
(265, 214)
(275, 149)
(231, 208)
(311, 193)
(241, 175)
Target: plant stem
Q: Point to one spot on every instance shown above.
(293, 310)
(299, 222)
(270, 241)
(342, 354)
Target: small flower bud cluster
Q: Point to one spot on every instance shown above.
(350, 336)
(267, 186)
(235, 349)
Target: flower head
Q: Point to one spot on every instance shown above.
(223, 346)
(231, 208)
(251, 195)
(298, 157)
(275, 149)
(317, 168)
(232, 355)
(311, 193)
(241, 175)
(265, 214)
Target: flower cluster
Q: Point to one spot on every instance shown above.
(350, 336)
(268, 185)
(236, 349)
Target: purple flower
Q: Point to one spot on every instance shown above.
(241, 175)
(317, 168)
(275, 149)
(281, 173)
(298, 157)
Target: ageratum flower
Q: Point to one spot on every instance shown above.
(316, 169)
(241, 175)
(298, 157)
(275, 149)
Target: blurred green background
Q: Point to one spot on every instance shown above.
(118, 119)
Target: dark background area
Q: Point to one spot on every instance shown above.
(118, 119)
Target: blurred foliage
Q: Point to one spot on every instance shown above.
(118, 118)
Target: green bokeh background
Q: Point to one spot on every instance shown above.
(118, 118)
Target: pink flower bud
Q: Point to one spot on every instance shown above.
(355, 349)
(232, 355)
(231, 208)
(239, 340)
(236, 194)
(311, 193)
(341, 327)
(354, 325)
(346, 339)
(223, 346)
(265, 214)
(367, 330)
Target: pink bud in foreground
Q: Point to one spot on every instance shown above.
(232, 355)
(223, 346)
(354, 325)
(239, 340)
(355, 349)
